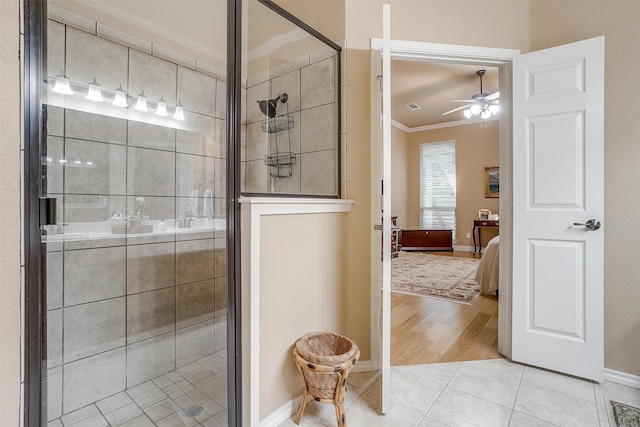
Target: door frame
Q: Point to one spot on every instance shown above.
(461, 54)
(34, 16)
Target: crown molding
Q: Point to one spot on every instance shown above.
(400, 126)
(440, 125)
(276, 42)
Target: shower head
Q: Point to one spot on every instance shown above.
(268, 107)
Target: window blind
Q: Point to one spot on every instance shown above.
(438, 186)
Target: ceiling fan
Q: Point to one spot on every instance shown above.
(483, 104)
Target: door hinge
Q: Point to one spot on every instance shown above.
(379, 77)
(48, 211)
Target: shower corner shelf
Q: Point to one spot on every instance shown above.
(277, 124)
(280, 159)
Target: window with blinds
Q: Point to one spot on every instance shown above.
(438, 186)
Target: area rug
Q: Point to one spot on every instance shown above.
(436, 276)
(625, 415)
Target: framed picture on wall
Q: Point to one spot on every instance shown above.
(492, 182)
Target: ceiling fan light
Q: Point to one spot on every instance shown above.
(467, 113)
(475, 109)
(485, 114)
(494, 108)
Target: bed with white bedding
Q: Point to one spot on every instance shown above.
(487, 274)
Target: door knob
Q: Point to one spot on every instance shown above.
(592, 224)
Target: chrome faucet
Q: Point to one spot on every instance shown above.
(139, 206)
(186, 221)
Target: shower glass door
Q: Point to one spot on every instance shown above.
(135, 155)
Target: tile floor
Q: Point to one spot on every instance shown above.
(482, 393)
(163, 401)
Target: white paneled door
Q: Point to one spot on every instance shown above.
(558, 235)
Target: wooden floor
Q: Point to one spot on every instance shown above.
(428, 330)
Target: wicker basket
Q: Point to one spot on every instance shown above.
(324, 360)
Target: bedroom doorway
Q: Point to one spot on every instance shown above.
(477, 57)
(439, 159)
(534, 293)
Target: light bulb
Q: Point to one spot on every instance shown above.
(94, 94)
(62, 85)
(161, 109)
(141, 104)
(120, 99)
(475, 109)
(485, 114)
(494, 108)
(467, 113)
(179, 114)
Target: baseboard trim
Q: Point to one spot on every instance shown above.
(281, 414)
(363, 366)
(461, 248)
(622, 378)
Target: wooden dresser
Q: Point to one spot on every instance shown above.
(427, 240)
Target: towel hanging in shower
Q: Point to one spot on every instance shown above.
(194, 202)
(207, 211)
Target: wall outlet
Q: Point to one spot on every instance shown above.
(468, 235)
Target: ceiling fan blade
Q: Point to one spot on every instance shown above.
(493, 96)
(455, 109)
(462, 100)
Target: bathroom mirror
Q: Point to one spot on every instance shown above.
(291, 117)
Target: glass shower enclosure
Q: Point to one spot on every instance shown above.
(131, 325)
(291, 118)
(134, 153)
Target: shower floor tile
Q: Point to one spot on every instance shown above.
(123, 415)
(197, 389)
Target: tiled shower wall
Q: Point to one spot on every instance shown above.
(311, 85)
(123, 309)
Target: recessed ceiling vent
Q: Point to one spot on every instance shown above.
(413, 107)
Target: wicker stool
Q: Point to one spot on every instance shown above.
(324, 360)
